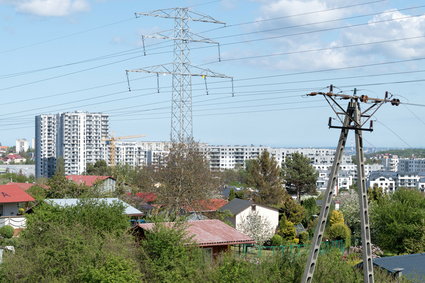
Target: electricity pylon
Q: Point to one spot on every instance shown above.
(181, 69)
(352, 120)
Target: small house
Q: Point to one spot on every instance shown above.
(11, 199)
(106, 184)
(213, 235)
(240, 209)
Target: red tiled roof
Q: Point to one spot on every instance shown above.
(86, 179)
(209, 233)
(147, 197)
(12, 193)
(207, 205)
(22, 186)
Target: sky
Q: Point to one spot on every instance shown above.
(68, 55)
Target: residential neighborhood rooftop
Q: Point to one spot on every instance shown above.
(209, 232)
(413, 265)
(87, 180)
(13, 193)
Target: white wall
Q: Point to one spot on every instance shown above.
(271, 215)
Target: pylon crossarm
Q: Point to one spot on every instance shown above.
(368, 117)
(170, 14)
(193, 37)
(344, 112)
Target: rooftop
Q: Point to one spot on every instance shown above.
(412, 265)
(86, 180)
(12, 193)
(209, 233)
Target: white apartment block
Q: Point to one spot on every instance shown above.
(222, 157)
(74, 136)
(21, 145)
(140, 153)
(411, 165)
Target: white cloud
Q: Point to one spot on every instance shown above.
(392, 25)
(52, 8)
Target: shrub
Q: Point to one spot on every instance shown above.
(7, 231)
(276, 240)
(340, 231)
(303, 238)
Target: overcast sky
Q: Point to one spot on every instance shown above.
(68, 55)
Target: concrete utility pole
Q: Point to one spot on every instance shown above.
(352, 121)
(181, 69)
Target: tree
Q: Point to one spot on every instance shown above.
(293, 211)
(286, 229)
(264, 175)
(300, 177)
(74, 244)
(398, 224)
(186, 178)
(336, 217)
(257, 227)
(99, 168)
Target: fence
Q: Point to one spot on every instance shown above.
(15, 221)
(290, 249)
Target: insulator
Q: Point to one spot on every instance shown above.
(395, 102)
(364, 98)
(312, 93)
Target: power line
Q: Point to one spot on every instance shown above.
(65, 36)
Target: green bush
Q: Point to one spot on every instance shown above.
(7, 231)
(304, 238)
(276, 240)
(340, 231)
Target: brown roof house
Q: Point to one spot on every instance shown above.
(212, 235)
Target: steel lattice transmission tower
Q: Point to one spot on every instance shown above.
(351, 119)
(181, 69)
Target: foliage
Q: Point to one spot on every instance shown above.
(276, 240)
(264, 175)
(100, 168)
(6, 231)
(293, 211)
(232, 195)
(303, 237)
(68, 244)
(256, 226)
(37, 192)
(398, 223)
(100, 216)
(168, 256)
(186, 179)
(340, 231)
(375, 194)
(336, 217)
(299, 175)
(310, 211)
(286, 229)
(13, 177)
(349, 206)
(113, 269)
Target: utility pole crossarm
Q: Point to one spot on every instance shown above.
(170, 14)
(166, 69)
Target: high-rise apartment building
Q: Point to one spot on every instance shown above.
(46, 134)
(74, 136)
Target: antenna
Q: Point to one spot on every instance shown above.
(181, 69)
(351, 119)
